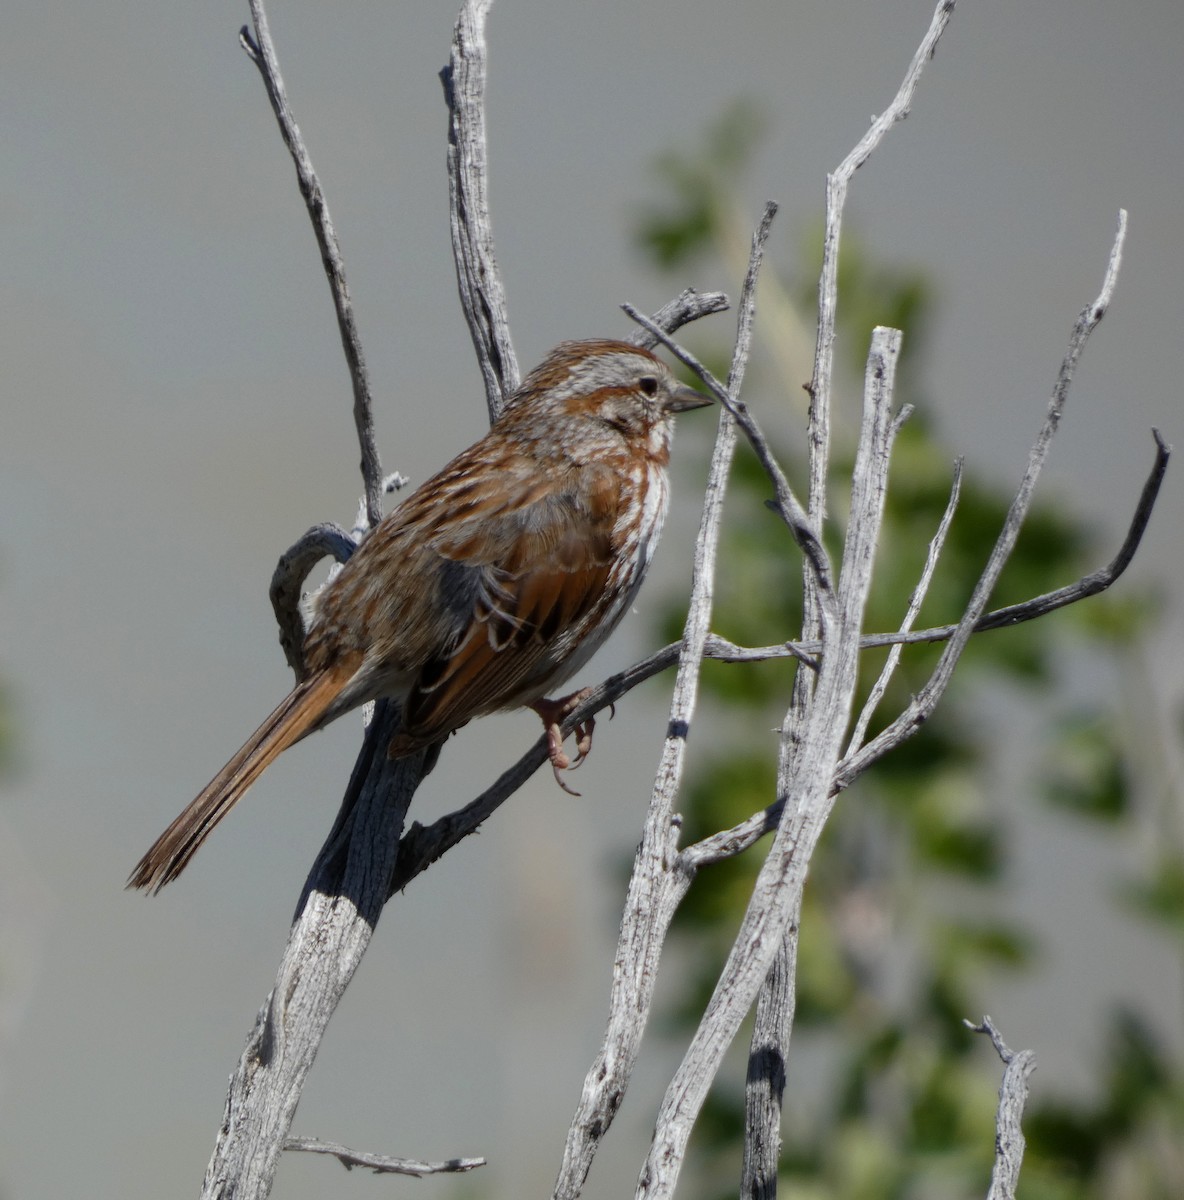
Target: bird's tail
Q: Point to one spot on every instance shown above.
(298, 714)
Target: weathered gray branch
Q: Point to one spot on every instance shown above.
(730, 842)
(335, 919)
(686, 307)
(876, 694)
(654, 889)
(828, 281)
(262, 54)
(1013, 1098)
(764, 1086)
(482, 294)
(773, 902)
(383, 1164)
(923, 704)
(321, 541)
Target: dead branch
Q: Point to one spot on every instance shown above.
(482, 293)
(1013, 1098)
(828, 280)
(383, 1164)
(773, 902)
(914, 607)
(654, 892)
(261, 52)
(926, 700)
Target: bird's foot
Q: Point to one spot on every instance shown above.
(553, 713)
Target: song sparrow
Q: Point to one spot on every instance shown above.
(489, 585)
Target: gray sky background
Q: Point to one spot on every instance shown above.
(174, 412)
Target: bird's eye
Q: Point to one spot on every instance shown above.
(648, 384)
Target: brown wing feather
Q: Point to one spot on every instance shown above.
(544, 567)
(481, 674)
(489, 557)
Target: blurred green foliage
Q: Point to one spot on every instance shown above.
(905, 918)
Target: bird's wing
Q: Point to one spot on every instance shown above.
(525, 568)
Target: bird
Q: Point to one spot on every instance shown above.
(490, 585)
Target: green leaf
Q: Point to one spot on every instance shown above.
(1088, 775)
(1161, 895)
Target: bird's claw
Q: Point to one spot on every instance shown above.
(552, 713)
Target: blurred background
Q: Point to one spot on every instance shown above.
(175, 412)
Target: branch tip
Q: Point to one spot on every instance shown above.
(248, 43)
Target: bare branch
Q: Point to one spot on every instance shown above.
(654, 889)
(1013, 1098)
(775, 895)
(926, 700)
(335, 919)
(765, 1083)
(325, 540)
(818, 432)
(869, 473)
(482, 293)
(914, 607)
(828, 283)
(730, 842)
(688, 306)
(787, 504)
(1101, 579)
(382, 1164)
(262, 54)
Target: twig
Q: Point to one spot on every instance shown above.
(869, 476)
(654, 890)
(326, 540)
(828, 282)
(1013, 1098)
(482, 293)
(382, 1164)
(1101, 579)
(926, 700)
(914, 607)
(688, 306)
(262, 53)
(787, 504)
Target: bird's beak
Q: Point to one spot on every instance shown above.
(683, 398)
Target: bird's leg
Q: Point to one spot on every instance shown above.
(553, 713)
